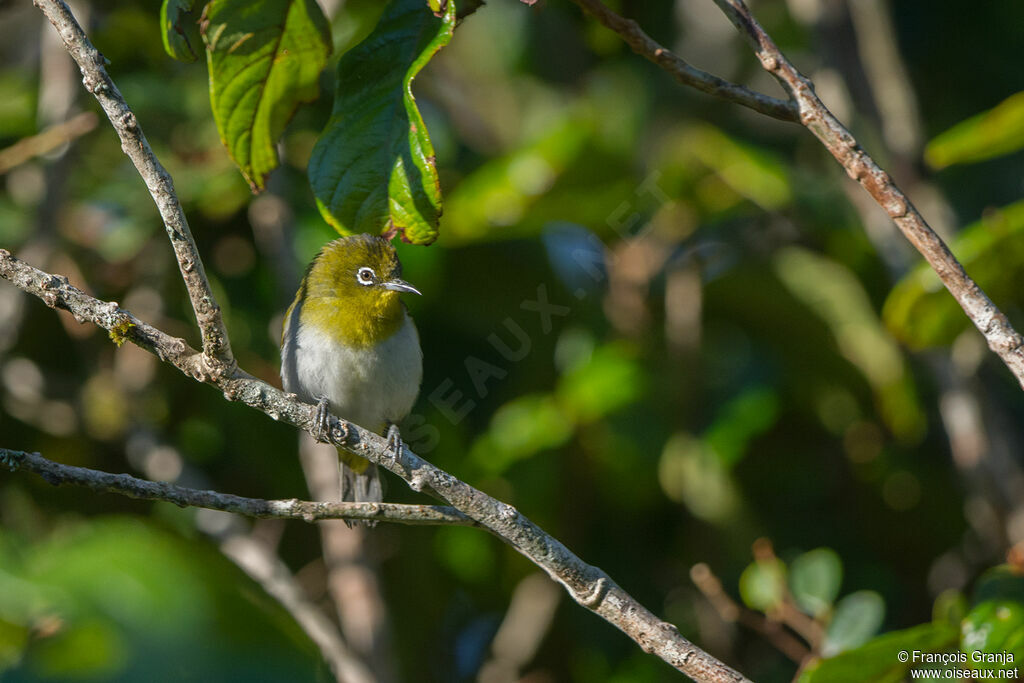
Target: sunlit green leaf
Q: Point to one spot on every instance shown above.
(519, 429)
(264, 58)
(691, 473)
(814, 579)
(839, 298)
(89, 648)
(857, 617)
(763, 584)
(991, 628)
(179, 29)
(373, 167)
(878, 661)
(495, 197)
(749, 414)
(992, 133)
(950, 607)
(747, 170)
(610, 379)
(922, 313)
(467, 554)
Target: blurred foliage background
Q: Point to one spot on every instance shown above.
(744, 348)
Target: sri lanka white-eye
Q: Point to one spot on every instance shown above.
(349, 345)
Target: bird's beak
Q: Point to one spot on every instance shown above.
(397, 285)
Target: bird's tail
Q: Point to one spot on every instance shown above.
(360, 483)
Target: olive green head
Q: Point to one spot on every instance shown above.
(352, 290)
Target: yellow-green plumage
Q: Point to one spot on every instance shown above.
(347, 338)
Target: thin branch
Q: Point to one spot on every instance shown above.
(216, 345)
(269, 571)
(589, 586)
(682, 72)
(1005, 341)
(46, 141)
(731, 612)
(308, 511)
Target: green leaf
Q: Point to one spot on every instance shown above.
(520, 429)
(1000, 583)
(878, 661)
(610, 380)
(176, 27)
(995, 624)
(265, 57)
(922, 313)
(373, 167)
(990, 134)
(763, 584)
(992, 628)
(814, 579)
(745, 417)
(857, 617)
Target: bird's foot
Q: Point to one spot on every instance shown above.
(322, 430)
(394, 442)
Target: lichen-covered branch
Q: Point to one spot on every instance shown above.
(683, 72)
(589, 586)
(1002, 338)
(308, 511)
(216, 346)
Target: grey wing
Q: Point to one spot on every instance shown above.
(289, 347)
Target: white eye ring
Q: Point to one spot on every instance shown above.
(365, 276)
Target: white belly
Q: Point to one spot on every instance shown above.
(371, 387)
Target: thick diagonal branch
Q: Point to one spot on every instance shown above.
(97, 81)
(683, 72)
(589, 586)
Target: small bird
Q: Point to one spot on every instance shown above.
(349, 345)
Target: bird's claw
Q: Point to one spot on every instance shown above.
(322, 421)
(394, 442)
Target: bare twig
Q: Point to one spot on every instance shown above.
(680, 70)
(1005, 341)
(589, 586)
(264, 567)
(47, 141)
(711, 587)
(308, 511)
(216, 346)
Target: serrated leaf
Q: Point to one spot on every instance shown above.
(265, 58)
(814, 579)
(175, 27)
(763, 584)
(857, 617)
(373, 167)
(921, 312)
(878, 660)
(987, 135)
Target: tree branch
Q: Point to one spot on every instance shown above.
(1005, 341)
(308, 511)
(589, 586)
(216, 346)
(682, 72)
(1000, 335)
(277, 580)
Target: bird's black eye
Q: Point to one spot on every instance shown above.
(365, 276)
